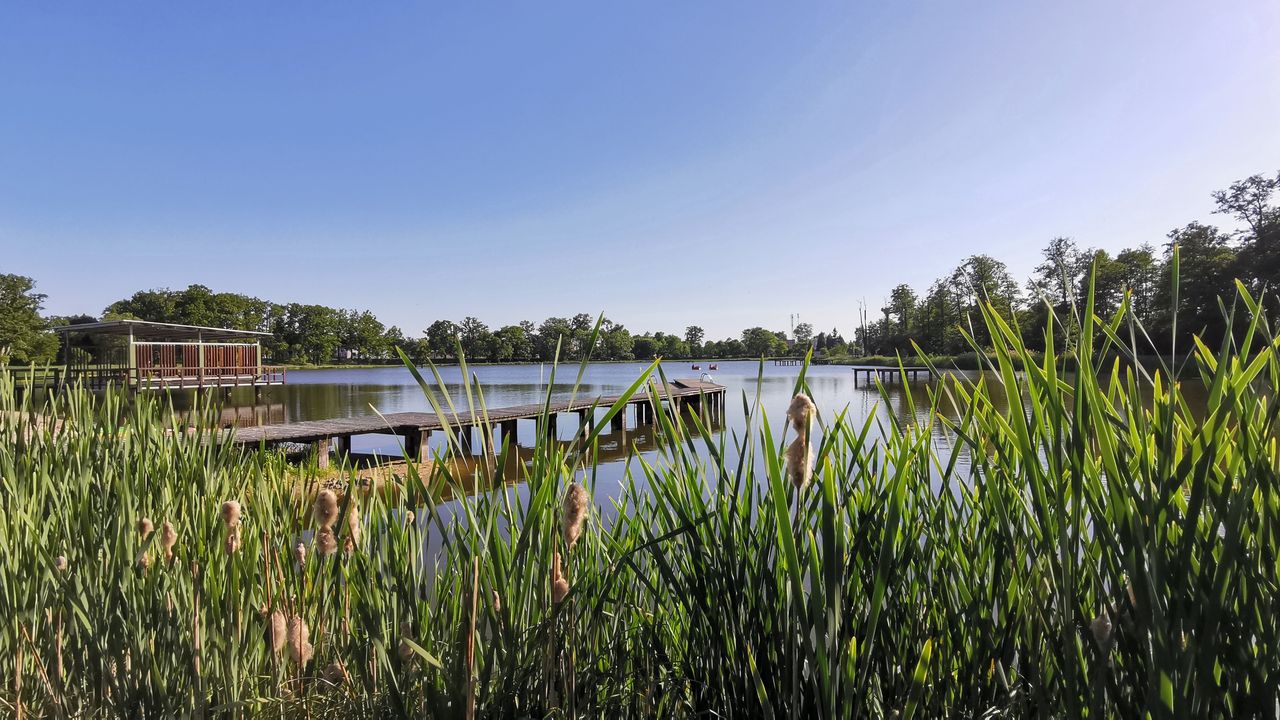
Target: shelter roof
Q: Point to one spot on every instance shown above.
(161, 332)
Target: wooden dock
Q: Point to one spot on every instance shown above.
(888, 374)
(416, 427)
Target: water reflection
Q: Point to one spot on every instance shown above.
(323, 394)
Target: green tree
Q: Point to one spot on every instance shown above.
(803, 335)
(441, 338)
(1207, 273)
(758, 342)
(554, 330)
(643, 347)
(512, 342)
(1249, 201)
(475, 338)
(693, 336)
(24, 335)
(616, 342)
(1140, 275)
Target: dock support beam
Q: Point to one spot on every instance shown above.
(344, 447)
(321, 450)
(549, 429)
(510, 433)
(413, 445)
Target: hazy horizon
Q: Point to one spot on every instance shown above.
(719, 165)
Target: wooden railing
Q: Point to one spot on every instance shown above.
(202, 377)
(98, 378)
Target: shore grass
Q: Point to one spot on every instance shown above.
(1094, 548)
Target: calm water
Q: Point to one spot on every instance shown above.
(322, 394)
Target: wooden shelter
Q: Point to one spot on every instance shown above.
(143, 355)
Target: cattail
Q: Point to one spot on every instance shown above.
(497, 602)
(559, 590)
(799, 462)
(326, 543)
(1103, 631)
(233, 540)
(300, 554)
(335, 674)
(231, 514)
(353, 527)
(575, 513)
(409, 518)
(168, 538)
(326, 508)
(144, 561)
(145, 528)
(60, 563)
(801, 412)
(299, 642)
(277, 631)
(559, 585)
(406, 650)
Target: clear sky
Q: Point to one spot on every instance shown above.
(719, 163)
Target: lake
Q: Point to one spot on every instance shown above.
(336, 393)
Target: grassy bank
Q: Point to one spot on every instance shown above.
(1097, 549)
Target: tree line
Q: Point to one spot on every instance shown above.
(317, 334)
(1211, 260)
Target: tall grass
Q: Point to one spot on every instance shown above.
(1096, 547)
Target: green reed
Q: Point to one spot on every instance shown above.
(1095, 547)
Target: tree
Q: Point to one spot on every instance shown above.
(24, 335)
(758, 342)
(475, 337)
(553, 331)
(902, 305)
(643, 347)
(1249, 201)
(441, 336)
(693, 336)
(1206, 274)
(512, 342)
(615, 342)
(1140, 274)
(363, 335)
(1057, 277)
(803, 335)
(983, 279)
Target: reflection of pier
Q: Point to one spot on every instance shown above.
(415, 428)
(889, 374)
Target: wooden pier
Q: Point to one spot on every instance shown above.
(786, 361)
(889, 374)
(416, 427)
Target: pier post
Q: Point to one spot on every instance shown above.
(509, 432)
(321, 450)
(413, 445)
(464, 438)
(619, 421)
(549, 428)
(344, 447)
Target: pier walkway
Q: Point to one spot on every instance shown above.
(416, 427)
(889, 374)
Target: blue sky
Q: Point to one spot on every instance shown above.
(725, 164)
